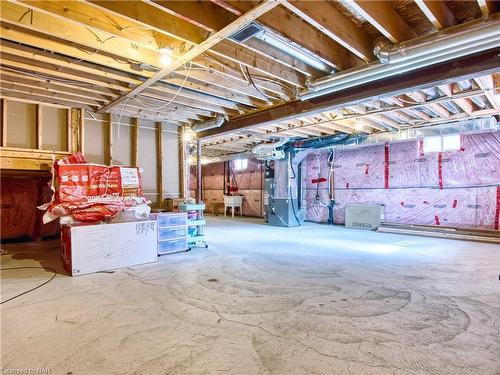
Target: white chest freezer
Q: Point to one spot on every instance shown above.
(100, 247)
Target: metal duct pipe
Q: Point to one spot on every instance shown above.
(216, 123)
(480, 37)
(269, 146)
(328, 141)
(456, 37)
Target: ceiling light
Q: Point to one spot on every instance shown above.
(254, 30)
(358, 126)
(165, 56)
(292, 50)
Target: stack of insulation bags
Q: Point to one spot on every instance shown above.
(454, 188)
(92, 193)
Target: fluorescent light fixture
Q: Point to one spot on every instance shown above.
(255, 30)
(288, 48)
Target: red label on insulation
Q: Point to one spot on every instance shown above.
(440, 169)
(497, 211)
(386, 166)
(436, 219)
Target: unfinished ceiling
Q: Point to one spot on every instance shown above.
(107, 56)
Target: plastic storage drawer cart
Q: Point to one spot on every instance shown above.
(195, 224)
(172, 232)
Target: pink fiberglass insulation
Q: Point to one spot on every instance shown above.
(20, 196)
(248, 183)
(455, 188)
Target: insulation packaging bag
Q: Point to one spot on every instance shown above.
(85, 192)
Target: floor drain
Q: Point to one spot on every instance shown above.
(213, 280)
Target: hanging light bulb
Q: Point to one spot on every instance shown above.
(165, 56)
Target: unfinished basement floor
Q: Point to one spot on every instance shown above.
(310, 300)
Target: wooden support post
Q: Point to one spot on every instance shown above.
(69, 130)
(76, 131)
(4, 122)
(159, 163)
(81, 131)
(198, 171)
(135, 142)
(109, 140)
(38, 125)
(182, 162)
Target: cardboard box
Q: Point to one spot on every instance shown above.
(172, 204)
(101, 247)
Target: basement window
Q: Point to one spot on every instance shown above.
(451, 142)
(442, 143)
(432, 144)
(240, 164)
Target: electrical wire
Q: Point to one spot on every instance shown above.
(32, 289)
(42, 76)
(248, 76)
(175, 95)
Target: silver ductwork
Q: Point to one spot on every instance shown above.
(269, 151)
(446, 45)
(212, 124)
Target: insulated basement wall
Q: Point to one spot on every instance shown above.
(248, 181)
(456, 188)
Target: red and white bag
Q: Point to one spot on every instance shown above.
(89, 192)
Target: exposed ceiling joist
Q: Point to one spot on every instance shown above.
(335, 25)
(302, 34)
(488, 7)
(150, 17)
(385, 19)
(437, 12)
(248, 17)
(472, 66)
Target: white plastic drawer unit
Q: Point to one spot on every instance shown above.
(172, 246)
(172, 233)
(169, 219)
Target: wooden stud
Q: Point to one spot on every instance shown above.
(4, 122)
(159, 163)
(81, 132)
(108, 152)
(39, 127)
(75, 130)
(69, 131)
(135, 142)
(182, 161)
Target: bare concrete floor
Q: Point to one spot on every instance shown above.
(309, 300)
